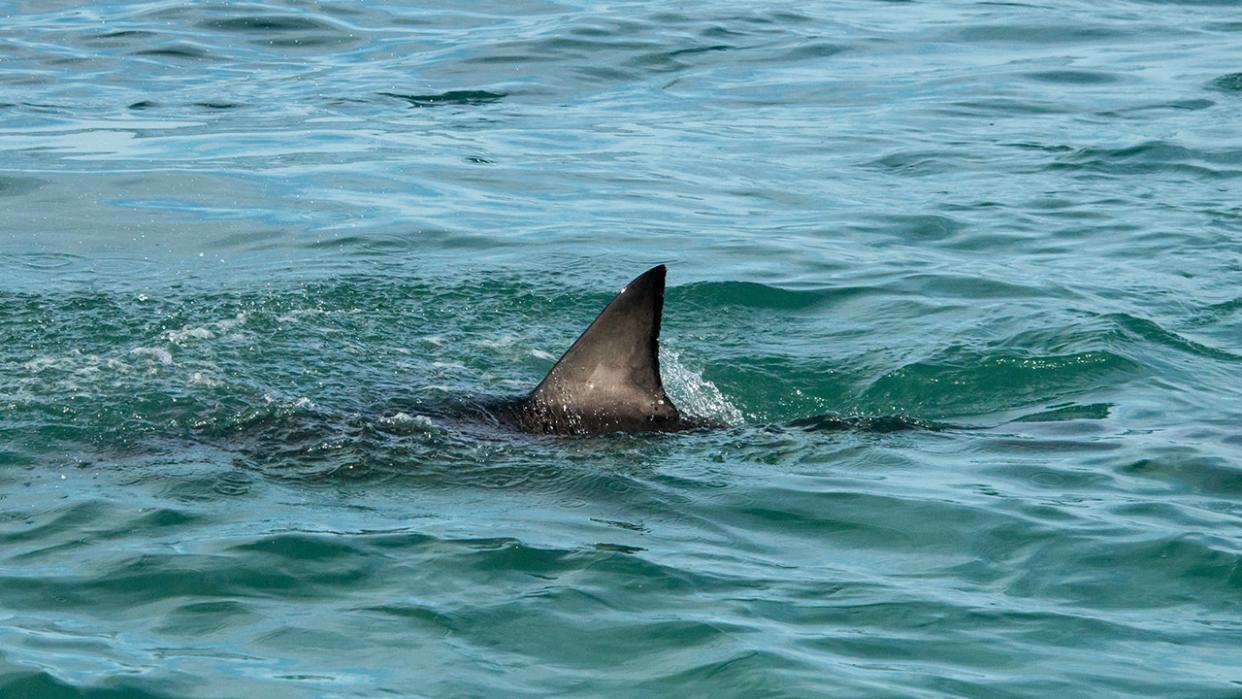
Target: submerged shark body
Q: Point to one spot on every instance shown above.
(609, 379)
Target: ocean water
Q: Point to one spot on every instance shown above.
(250, 251)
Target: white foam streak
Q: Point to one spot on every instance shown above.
(693, 394)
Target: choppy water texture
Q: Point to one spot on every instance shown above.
(249, 253)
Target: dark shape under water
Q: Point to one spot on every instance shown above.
(609, 379)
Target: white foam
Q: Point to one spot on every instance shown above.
(160, 354)
(117, 365)
(301, 403)
(502, 341)
(207, 331)
(198, 378)
(231, 323)
(297, 313)
(413, 423)
(180, 336)
(695, 395)
(406, 418)
(41, 363)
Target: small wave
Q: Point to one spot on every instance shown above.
(755, 295)
(1049, 34)
(179, 52)
(1151, 331)
(1151, 157)
(44, 261)
(919, 163)
(964, 382)
(271, 23)
(879, 424)
(452, 97)
(1073, 411)
(1072, 77)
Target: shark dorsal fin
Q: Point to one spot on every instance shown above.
(609, 379)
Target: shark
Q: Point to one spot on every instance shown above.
(609, 382)
(609, 379)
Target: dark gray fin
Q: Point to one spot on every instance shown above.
(609, 379)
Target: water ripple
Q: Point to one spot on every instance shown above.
(959, 282)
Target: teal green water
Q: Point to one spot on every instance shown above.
(250, 252)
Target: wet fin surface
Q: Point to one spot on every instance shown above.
(609, 379)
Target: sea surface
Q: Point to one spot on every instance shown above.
(962, 280)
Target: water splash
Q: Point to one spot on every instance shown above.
(695, 395)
